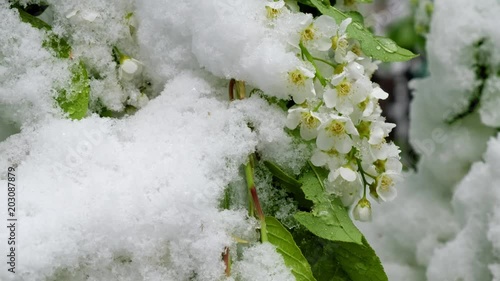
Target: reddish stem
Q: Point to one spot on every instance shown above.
(256, 201)
(231, 89)
(225, 256)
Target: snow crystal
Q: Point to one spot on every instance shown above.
(28, 72)
(141, 189)
(262, 262)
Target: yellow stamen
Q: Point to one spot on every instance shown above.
(297, 77)
(344, 88)
(307, 34)
(336, 128)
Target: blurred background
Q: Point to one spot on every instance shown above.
(407, 23)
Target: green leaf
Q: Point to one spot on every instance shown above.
(329, 219)
(34, 21)
(59, 46)
(356, 17)
(75, 100)
(289, 183)
(285, 245)
(330, 222)
(281, 175)
(360, 262)
(380, 48)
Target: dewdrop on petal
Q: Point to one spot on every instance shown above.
(363, 210)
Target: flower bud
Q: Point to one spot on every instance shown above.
(363, 210)
(129, 68)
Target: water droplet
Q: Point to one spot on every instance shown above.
(388, 45)
(378, 48)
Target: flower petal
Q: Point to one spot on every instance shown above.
(330, 97)
(387, 194)
(379, 93)
(293, 119)
(324, 141)
(319, 158)
(276, 5)
(347, 174)
(342, 144)
(393, 164)
(307, 132)
(344, 24)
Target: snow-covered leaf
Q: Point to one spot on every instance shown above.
(289, 183)
(59, 46)
(75, 99)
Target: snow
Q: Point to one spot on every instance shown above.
(27, 71)
(138, 198)
(261, 262)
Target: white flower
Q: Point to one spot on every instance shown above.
(275, 4)
(368, 64)
(273, 9)
(384, 150)
(331, 158)
(346, 172)
(363, 210)
(386, 182)
(379, 130)
(340, 43)
(386, 189)
(346, 191)
(346, 94)
(129, 69)
(317, 34)
(308, 120)
(379, 93)
(301, 84)
(337, 163)
(334, 133)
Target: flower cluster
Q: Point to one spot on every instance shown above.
(336, 105)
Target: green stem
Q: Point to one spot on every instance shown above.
(317, 175)
(254, 199)
(362, 172)
(240, 86)
(310, 58)
(370, 175)
(318, 106)
(325, 62)
(250, 184)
